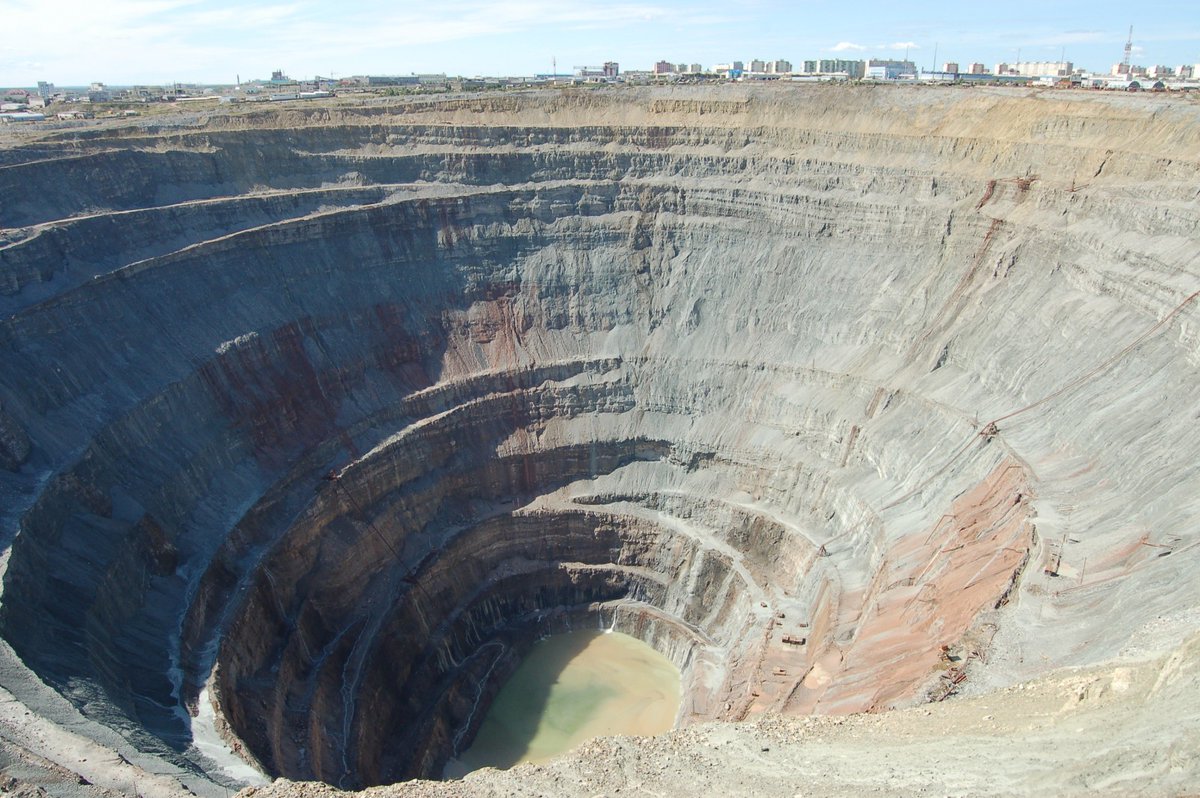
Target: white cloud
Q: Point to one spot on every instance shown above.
(153, 40)
(901, 46)
(842, 47)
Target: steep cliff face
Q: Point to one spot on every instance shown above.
(335, 410)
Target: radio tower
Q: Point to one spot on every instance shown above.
(1128, 52)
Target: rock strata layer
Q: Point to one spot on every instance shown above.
(324, 414)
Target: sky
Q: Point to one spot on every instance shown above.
(122, 42)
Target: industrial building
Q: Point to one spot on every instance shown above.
(880, 69)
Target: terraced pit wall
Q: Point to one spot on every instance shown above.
(336, 408)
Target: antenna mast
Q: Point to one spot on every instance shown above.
(1128, 51)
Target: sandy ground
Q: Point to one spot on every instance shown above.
(50, 752)
(1130, 728)
(1125, 729)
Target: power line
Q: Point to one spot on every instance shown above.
(362, 517)
(988, 430)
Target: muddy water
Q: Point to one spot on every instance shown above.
(571, 688)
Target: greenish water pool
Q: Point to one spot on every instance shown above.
(568, 689)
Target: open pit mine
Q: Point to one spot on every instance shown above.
(872, 409)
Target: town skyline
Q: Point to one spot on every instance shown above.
(128, 42)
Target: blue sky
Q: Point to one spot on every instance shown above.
(72, 42)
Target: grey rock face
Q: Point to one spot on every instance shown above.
(14, 443)
(336, 410)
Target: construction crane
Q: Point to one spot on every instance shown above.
(1125, 68)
